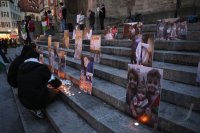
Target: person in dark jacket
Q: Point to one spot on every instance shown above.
(102, 15)
(91, 19)
(14, 66)
(37, 87)
(63, 17)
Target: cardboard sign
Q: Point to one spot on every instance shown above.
(87, 33)
(144, 92)
(66, 39)
(62, 64)
(78, 44)
(132, 29)
(142, 49)
(49, 41)
(87, 71)
(95, 47)
(171, 29)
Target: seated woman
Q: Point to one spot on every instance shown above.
(37, 87)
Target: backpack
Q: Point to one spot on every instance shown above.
(31, 26)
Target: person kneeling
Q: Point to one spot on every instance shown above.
(37, 87)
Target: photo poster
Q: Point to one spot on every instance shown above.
(66, 39)
(144, 92)
(56, 57)
(49, 42)
(62, 64)
(142, 49)
(87, 33)
(40, 51)
(132, 29)
(51, 59)
(87, 71)
(95, 48)
(78, 44)
(198, 73)
(172, 29)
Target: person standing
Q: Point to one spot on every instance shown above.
(80, 20)
(63, 16)
(102, 15)
(31, 28)
(91, 19)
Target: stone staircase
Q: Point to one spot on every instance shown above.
(105, 110)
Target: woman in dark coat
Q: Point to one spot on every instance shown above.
(13, 69)
(37, 87)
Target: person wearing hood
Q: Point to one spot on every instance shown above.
(37, 87)
(13, 69)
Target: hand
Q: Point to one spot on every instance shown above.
(50, 86)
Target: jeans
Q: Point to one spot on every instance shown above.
(63, 25)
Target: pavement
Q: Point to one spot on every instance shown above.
(14, 118)
(10, 121)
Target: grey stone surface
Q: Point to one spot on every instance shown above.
(65, 120)
(168, 112)
(178, 73)
(101, 115)
(30, 123)
(10, 121)
(177, 57)
(178, 45)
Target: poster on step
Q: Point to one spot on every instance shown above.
(172, 29)
(142, 49)
(56, 57)
(143, 93)
(87, 33)
(66, 39)
(40, 51)
(62, 64)
(78, 44)
(95, 47)
(198, 73)
(87, 71)
(132, 29)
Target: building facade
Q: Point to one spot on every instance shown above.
(30, 8)
(9, 15)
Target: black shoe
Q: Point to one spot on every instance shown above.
(38, 114)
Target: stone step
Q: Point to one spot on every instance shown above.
(172, 90)
(193, 35)
(173, 72)
(66, 120)
(115, 95)
(177, 57)
(30, 123)
(178, 45)
(120, 51)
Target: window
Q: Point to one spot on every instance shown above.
(4, 14)
(4, 4)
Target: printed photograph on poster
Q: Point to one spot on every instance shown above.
(143, 93)
(40, 51)
(87, 71)
(49, 41)
(62, 64)
(78, 44)
(198, 73)
(66, 39)
(172, 29)
(142, 49)
(87, 33)
(132, 29)
(51, 60)
(95, 48)
(56, 49)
